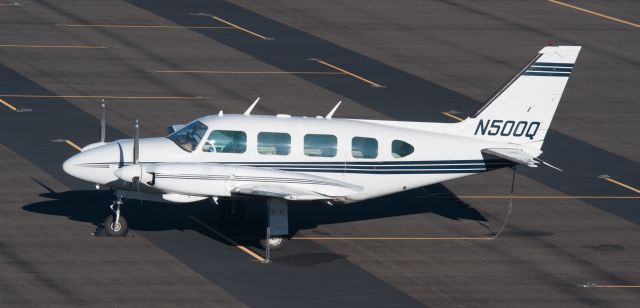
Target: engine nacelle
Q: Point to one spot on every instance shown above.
(190, 179)
(130, 173)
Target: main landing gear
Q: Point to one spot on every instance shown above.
(274, 243)
(277, 225)
(233, 210)
(116, 224)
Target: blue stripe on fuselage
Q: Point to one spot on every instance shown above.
(372, 167)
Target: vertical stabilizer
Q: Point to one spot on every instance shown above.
(522, 110)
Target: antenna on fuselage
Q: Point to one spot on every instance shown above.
(330, 114)
(103, 121)
(248, 111)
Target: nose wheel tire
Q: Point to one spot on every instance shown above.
(275, 242)
(111, 228)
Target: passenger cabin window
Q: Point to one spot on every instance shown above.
(226, 141)
(400, 149)
(274, 143)
(363, 147)
(320, 145)
(189, 136)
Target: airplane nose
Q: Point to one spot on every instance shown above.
(70, 166)
(93, 165)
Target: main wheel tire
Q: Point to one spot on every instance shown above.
(232, 211)
(113, 229)
(276, 242)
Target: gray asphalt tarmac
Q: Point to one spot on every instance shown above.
(167, 62)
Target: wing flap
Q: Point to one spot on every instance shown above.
(272, 191)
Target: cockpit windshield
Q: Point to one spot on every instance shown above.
(189, 136)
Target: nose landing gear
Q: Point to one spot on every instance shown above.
(116, 224)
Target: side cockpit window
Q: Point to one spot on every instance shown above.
(400, 149)
(189, 136)
(226, 141)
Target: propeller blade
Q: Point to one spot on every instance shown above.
(136, 143)
(103, 121)
(121, 156)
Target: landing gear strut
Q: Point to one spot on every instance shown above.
(116, 224)
(277, 226)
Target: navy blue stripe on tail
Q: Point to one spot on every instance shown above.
(548, 69)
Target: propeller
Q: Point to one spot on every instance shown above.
(136, 143)
(103, 121)
(103, 129)
(134, 172)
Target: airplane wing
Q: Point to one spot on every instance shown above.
(289, 185)
(518, 156)
(272, 191)
(203, 179)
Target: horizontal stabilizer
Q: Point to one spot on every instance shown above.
(519, 157)
(515, 155)
(272, 191)
(548, 164)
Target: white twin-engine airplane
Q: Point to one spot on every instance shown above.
(283, 158)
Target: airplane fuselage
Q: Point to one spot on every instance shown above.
(379, 157)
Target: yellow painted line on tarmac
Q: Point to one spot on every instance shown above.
(253, 72)
(371, 83)
(8, 105)
(73, 145)
(251, 253)
(621, 184)
(140, 26)
(103, 96)
(228, 240)
(240, 28)
(453, 116)
(51, 46)
(571, 6)
(394, 238)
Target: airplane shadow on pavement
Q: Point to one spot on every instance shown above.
(92, 206)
